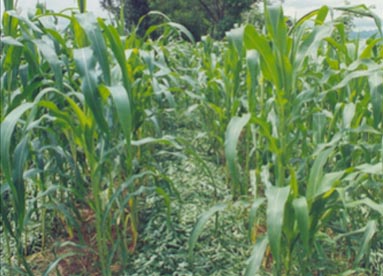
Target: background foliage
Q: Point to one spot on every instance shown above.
(200, 17)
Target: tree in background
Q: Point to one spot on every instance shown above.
(132, 9)
(254, 16)
(223, 14)
(201, 17)
(187, 13)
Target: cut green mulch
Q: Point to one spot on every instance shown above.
(163, 249)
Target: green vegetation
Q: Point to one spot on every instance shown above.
(261, 154)
(198, 16)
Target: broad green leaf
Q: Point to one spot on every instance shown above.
(252, 79)
(75, 106)
(89, 23)
(82, 5)
(12, 58)
(235, 36)
(371, 168)
(319, 127)
(348, 114)
(316, 174)
(232, 134)
(365, 129)
(276, 201)
(58, 38)
(85, 63)
(264, 126)
(166, 140)
(294, 182)
(6, 132)
(201, 222)
(182, 29)
(257, 255)
(376, 85)
(358, 74)
(123, 107)
(340, 47)
(17, 186)
(8, 5)
(368, 202)
(148, 57)
(321, 15)
(118, 50)
(83, 119)
(8, 40)
(276, 27)
(334, 141)
(368, 51)
(48, 51)
(328, 183)
(303, 219)
(9, 24)
(162, 15)
(256, 41)
(371, 229)
(25, 20)
(310, 44)
(173, 25)
(80, 37)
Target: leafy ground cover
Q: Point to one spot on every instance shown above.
(259, 154)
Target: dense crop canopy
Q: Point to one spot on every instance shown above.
(284, 125)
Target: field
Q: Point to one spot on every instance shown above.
(121, 154)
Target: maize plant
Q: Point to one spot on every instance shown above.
(311, 100)
(76, 119)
